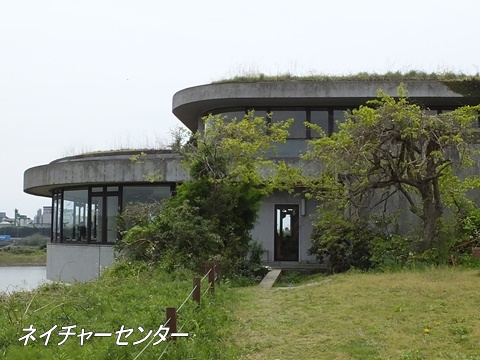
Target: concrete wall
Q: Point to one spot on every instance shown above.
(104, 168)
(265, 228)
(191, 103)
(71, 263)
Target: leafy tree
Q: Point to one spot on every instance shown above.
(393, 146)
(212, 214)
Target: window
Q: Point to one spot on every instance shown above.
(89, 215)
(56, 211)
(297, 129)
(230, 114)
(74, 219)
(111, 218)
(96, 219)
(338, 117)
(326, 118)
(145, 194)
(319, 118)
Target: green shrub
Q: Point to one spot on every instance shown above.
(342, 244)
(200, 223)
(21, 250)
(33, 240)
(393, 251)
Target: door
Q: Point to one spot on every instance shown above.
(286, 233)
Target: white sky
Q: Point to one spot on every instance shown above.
(87, 75)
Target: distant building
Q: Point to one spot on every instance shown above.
(4, 223)
(47, 215)
(43, 217)
(5, 220)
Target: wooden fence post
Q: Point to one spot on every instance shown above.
(206, 267)
(209, 267)
(211, 276)
(172, 324)
(217, 270)
(196, 290)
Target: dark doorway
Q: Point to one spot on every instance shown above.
(286, 233)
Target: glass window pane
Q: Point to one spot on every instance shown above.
(75, 215)
(320, 118)
(56, 218)
(112, 212)
(259, 113)
(297, 130)
(96, 218)
(338, 117)
(229, 114)
(68, 223)
(112, 188)
(233, 114)
(145, 194)
(81, 216)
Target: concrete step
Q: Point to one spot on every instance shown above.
(270, 278)
(304, 268)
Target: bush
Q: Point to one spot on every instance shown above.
(177, 231)
(202, 222)
(211, 215)
(33, 240)
(342, 244)
(20, 250)
(392, 251)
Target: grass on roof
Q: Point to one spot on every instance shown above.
(365, 76)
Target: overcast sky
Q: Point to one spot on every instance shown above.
(90, 74)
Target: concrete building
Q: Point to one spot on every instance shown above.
(88, 190)
(87, 193)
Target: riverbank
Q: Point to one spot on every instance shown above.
(23, 257)
(129, 299)
(23, 264)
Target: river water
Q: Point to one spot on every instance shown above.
(15, 278)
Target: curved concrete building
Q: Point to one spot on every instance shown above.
(87, 191)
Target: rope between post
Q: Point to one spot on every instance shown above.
(206, 274)
(188, 297)
(208, 288)
(164, 351)
(140, 353)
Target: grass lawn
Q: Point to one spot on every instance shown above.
(130, 297)
(428, 314)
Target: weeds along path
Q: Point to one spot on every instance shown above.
(430, 314)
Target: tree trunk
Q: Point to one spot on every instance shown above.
(429, 229)
(432, 211)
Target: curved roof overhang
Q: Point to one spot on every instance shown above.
(190, 104)
(103, 168)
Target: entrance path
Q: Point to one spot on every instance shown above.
(270, 278)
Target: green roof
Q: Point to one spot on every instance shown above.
(411, 75)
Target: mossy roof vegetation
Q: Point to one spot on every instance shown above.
(466, 85)
(364, 76)
(113, 152)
